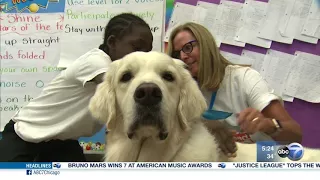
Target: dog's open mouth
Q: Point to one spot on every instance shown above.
(147, 122)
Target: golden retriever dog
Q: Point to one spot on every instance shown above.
(152, 107)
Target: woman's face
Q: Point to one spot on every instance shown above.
(185, 47)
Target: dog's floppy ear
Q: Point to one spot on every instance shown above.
(192, 103)
(103, 104)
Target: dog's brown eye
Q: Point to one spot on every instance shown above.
(126, 77)
(168, 76)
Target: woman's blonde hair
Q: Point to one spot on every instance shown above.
(212, 64)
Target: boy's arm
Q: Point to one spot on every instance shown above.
(91, 69)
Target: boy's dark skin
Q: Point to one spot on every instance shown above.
(141, 40)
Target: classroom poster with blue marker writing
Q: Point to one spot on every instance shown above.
(30, 33)
(85, 21)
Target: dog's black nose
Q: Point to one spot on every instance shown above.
(148, 94)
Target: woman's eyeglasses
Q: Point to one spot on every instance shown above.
(186, 48)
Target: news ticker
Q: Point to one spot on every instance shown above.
(32, 166)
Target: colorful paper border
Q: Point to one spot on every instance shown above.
(23, 6)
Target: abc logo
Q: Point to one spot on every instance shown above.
(293, 151)
(283, 151)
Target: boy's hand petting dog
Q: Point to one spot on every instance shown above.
(224, 136)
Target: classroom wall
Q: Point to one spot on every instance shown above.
(305, 113)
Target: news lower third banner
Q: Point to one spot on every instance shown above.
(160, 165)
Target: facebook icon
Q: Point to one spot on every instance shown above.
(29, 172)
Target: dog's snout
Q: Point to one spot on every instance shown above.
(148, 94)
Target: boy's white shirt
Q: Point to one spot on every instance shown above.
(241, 88)
(61, 110)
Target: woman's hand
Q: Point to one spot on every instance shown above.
(251, 121)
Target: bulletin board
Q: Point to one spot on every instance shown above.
(305, 113)
(40, 38)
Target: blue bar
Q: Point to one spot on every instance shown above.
(25, 165)
(267, 151)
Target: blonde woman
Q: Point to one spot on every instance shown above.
(235, 93)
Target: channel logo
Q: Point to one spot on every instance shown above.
(293, 151)
(29, 172)
(57, 165)
(222, 165)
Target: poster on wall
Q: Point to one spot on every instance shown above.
(30, 51)
(30, 47)
(84, 24)
(33, 6)
(95, 144)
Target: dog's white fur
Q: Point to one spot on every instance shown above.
(181, 106)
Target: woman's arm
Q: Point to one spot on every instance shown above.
(291, 130)
(251, 121)
(265, 105)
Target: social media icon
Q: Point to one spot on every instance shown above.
(293, 151)
(222, 165)
(29, 172)
(57, 165)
